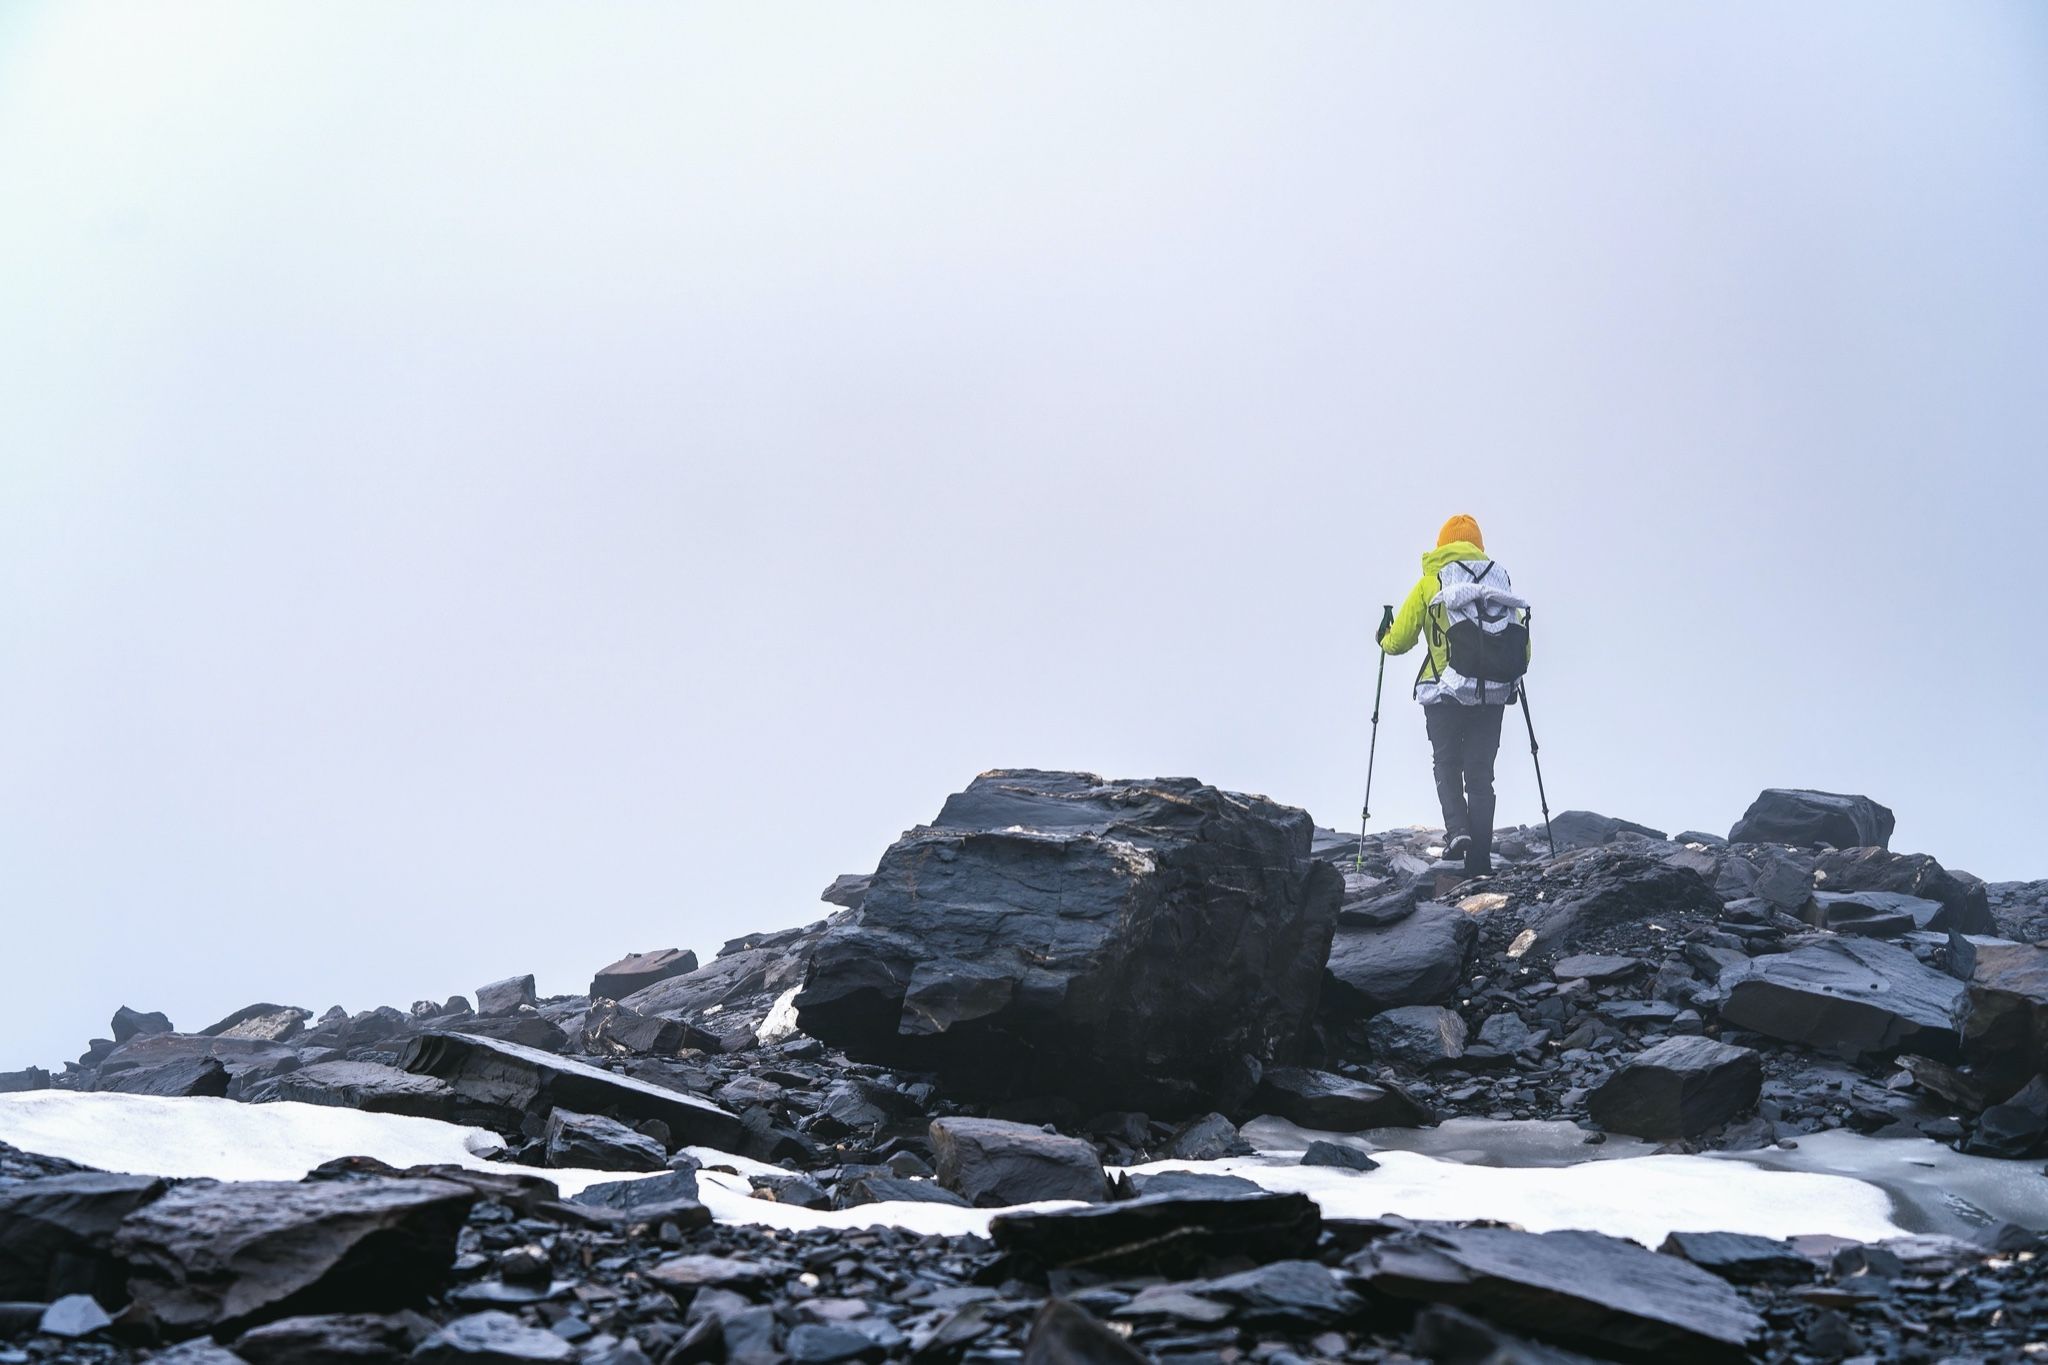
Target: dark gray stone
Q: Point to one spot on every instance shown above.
(1114, 942)
(1584, 829)
(1741, 1258)
(369, 1086)
(2003, 1016)
(1870, 914)
(502, 1083)
(493, 1337)
(1163, 1233)
(507, 996)
(993, 1164)
(638, 971)
(1208, 1138)
(1581, 1289)
(1321, 1153)
(1965, 907)
(1418, 1035)
(1810, 818)
(1286, 1295)
(1850, 995)
(1595, 967)
(209, 1256)
(264, 1022)
(1678, 1088)
(56, 1234)
(335, 1339)
(1416, 960)
(847, 889)
(592, 1142)
(1062, 1334)
(130, 1023)
(1337, 1104)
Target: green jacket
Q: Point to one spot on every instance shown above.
(1415, 613)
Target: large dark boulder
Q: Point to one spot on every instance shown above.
(994, 1164)
(1851, 996)
(638, 971)
(1132, 943)
(1870, 914)
(176, 1063)
(130, 1023)
(729, 997)
(1965, 905)
(334, 1339)
(2004, 1014)
(1416, 960)
(1809, 818)
(1584, 1290)
(1678, 1088)
(215, 1257)
(56, 1234)
(503, 1086)
(592, 1142)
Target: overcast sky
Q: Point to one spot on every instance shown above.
(492, 487)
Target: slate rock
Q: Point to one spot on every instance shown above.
(638, 971)
(847, 889)
(212, 1256)
(1741, 1258)
(493, 1337)
(685, 1277)
(594, 1143)
(1416, 960)
(1337, 1104)
(1870, 914)
(653, 1192)
(1810, 818)
(27, 1079)
(1595, 967)
(1678, 1088)
(1115, 942)
(857, 1191)
(1208, 1138)
(369, 1086)
(524, 1027)
(1163, 1233)
(1299, 1295)
(334, 1339)
(2003, 1017)
(1197, 1183)
(2017, 1126)
(1583, 1290)
(1063, 1334)
(263, 1022)
(177, 1079)
(57, 1233)
(993, 1164)
(615, 1030)
(151, 1063)
(1418, 1035)
(1584, 829)
(1338, 1154)
(130, 1023)
(1851, 995)
(507, 996)
(502, 1083)
(1965, 906)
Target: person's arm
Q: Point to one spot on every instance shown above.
(1407, 627)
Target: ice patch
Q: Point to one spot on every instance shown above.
(1554, 1181)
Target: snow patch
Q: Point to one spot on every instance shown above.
(780, 1025)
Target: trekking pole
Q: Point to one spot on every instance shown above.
(1545, 800)
(1365, 818)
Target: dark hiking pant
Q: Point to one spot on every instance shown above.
(1464, 740)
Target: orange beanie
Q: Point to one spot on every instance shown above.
(1460, 527)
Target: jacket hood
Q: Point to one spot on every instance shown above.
(1433, 561)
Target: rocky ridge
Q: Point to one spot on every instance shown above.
(1704, 993)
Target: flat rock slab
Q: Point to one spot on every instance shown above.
(493, 1337)
(506, 1082)
(1581, 1289)
(371, 1087)
(1872, 914)
(994, 1164)
(1063, 1334)
(1164, 1233)
(1416, 960)
(1742, 1258)
(1144, 944)
(638, 971)
(1850, 995)
(1809, 818)
(334, 1339)
(212, 1256)
(56, 1234)
(1337, 1104)
(1680, 1087)
(2004, 1017)
(1595, 967)
(1965, 906)
(1418, 1035)
(595, 1143)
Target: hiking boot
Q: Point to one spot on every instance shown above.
(1457, 847)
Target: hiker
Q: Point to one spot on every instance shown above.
(1477, 649)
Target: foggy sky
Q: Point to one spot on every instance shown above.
(493, 487)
